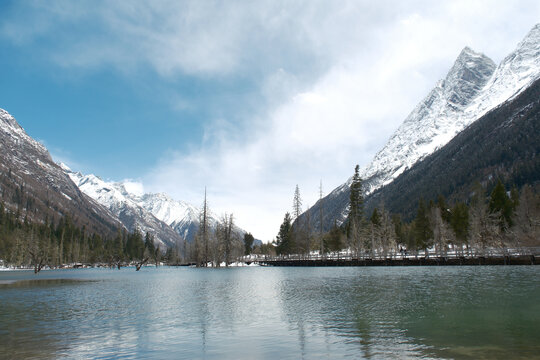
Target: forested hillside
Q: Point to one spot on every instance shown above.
(35, 187)
(504, 144)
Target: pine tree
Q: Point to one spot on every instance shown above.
(333, 241)
(284, 239)
(500, 202)
(445, 213)
(248, 243)
(356, 204)
(422, 227)
(460, 222)
(375, 217)
(357, 236)
(150, 250)
(484, 229)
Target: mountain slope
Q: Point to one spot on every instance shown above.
(436, 120)
(472, 88)
(125, 207)
(169, 220)
(181, 216)
(504, 144)
(35, 186)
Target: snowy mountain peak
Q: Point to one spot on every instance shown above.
(170, 211)
(169, 220)
(8, 120)
(472, 87)
(166, 218)
(466, 78)
(46, 183)
(532, 38)
(10, 127)
(434, 121)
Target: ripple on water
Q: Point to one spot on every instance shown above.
(446, 312)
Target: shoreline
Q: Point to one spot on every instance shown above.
(432, 261)
(334, 262)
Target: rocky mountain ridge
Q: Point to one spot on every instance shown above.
(34, 186)
(171, 221)
(472, 87)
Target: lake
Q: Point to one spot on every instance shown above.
(476, 312)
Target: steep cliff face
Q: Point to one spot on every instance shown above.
(472, 87)
(436, 120)
(34, 185)
(503, 144)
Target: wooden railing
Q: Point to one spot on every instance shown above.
(455, 253)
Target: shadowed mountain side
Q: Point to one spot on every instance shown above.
(504, 143)
(35, 187)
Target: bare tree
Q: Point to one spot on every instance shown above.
(387, 233)
(38, 250)
(442, 234)
(321, 219)
(297, 203)
(225, 238)
(201, 249)
(359, 239)
(485, 231)
(217, 241)
(526, 229)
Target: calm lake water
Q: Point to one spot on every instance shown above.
(272, 313)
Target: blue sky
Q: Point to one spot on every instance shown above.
(248, 98)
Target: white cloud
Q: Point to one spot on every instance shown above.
(337, 78)
(133, 187)
(322, 130)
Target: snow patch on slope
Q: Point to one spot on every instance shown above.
(10, 127)
(472, 88)
(146, 212)
(124, 204)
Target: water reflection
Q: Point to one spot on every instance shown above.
(267, 313)
(33, 283)
(352, 315)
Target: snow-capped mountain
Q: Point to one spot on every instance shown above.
(32, 184)
(472, 87)
(502, 144)
(180, 215)
(124, 205)
(170, 221)
(434, 122)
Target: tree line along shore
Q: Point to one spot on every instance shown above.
(500, 223)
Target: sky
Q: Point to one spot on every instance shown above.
(245, 98)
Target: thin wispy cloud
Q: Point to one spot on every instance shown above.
(329, 81)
